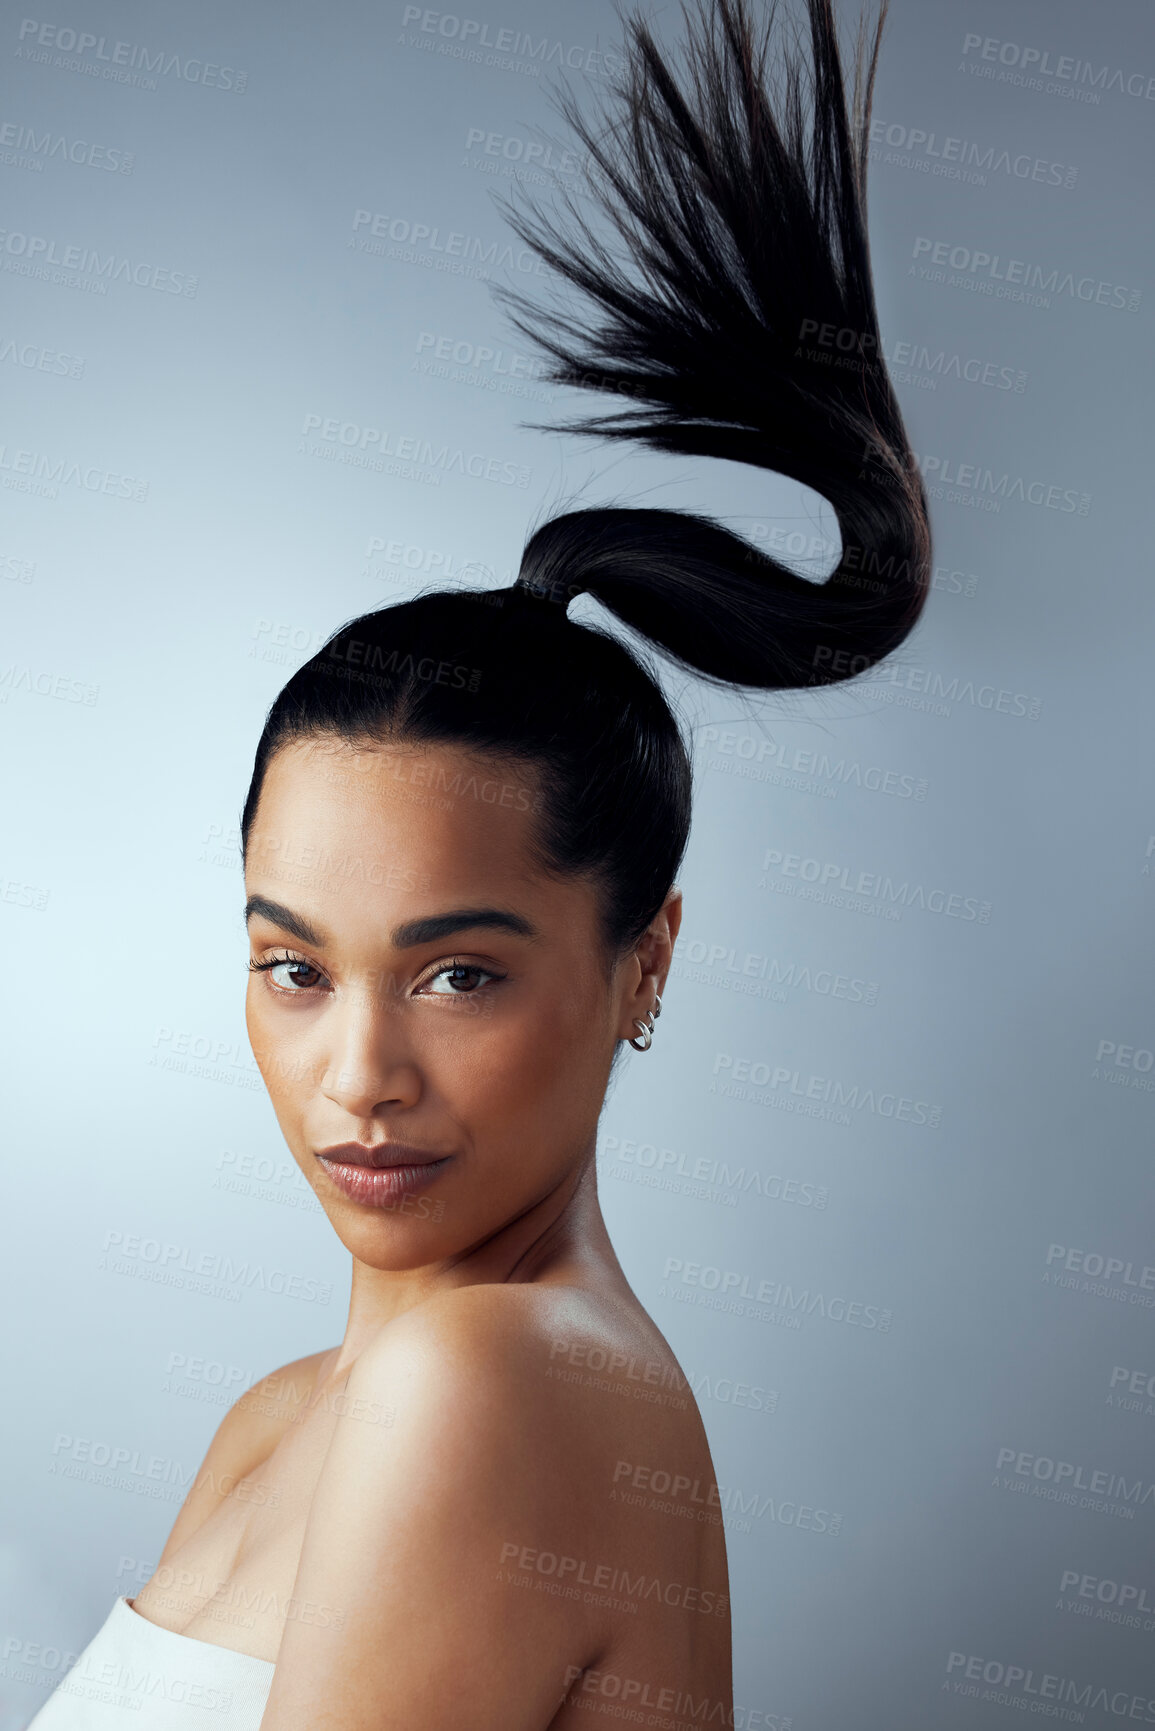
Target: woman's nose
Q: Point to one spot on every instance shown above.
(368, 1063)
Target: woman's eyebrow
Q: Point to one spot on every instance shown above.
(436, 926)
(427, 930)
(280, 915)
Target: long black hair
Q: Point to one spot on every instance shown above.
(735, 191)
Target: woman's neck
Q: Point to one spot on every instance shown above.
(559, 1240)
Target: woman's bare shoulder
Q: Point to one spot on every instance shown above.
(247, 1435)
(257, 1419)
(587, 1374)
(548, 1337)
(426, 1531)
(266, 1409)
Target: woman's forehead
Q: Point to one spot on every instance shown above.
(391, 827)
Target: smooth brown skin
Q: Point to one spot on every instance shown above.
(378, 1519)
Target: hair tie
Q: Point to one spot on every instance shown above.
(553, 594)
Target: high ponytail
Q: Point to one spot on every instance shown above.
(741, 217)
(743, 223)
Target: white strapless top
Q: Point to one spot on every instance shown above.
(134, 1674)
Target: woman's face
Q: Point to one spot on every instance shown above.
(429, 988)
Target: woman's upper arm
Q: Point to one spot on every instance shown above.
(407, 1615)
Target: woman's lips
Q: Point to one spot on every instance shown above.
(383, 1176)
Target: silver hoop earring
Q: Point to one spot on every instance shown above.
(646, 1040)
(657, 1005)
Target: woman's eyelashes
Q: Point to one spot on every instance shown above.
(458, 987)
(461, 978)
(297, 964)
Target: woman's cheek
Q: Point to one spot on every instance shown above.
(282, 1070)
(257, 1023)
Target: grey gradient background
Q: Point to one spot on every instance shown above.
(1000, 979)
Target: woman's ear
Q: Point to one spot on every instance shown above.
(673, 908)
(649, 965)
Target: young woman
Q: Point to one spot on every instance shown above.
(465, 820)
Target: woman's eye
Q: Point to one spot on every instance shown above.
(460, 979)
(294, 977)
(286, 973)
